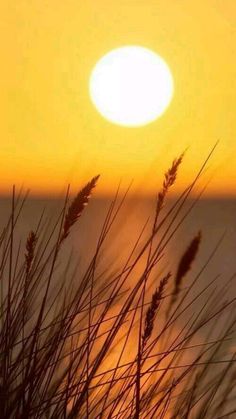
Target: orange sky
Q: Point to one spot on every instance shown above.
(52, 134)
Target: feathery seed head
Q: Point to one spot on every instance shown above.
(187, 260)
(30, 247)
(76, 208)
(152, 309)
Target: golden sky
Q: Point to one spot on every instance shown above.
(52, 134)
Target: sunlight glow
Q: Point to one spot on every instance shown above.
(131, 86)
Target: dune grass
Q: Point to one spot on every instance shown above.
(134, 342)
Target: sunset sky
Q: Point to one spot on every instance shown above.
(51, 133)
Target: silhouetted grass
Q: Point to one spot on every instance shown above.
(134, 342)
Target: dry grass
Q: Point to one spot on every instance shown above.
(152, 310)
(113, 343)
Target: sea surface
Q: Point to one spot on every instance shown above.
(215, 218)
(214, 266)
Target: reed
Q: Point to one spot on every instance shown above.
(77, 206)
(112, 343)
(186, 261)
(152, 309)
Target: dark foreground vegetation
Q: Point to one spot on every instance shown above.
(138, 341)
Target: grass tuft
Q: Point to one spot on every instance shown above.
(82, 343)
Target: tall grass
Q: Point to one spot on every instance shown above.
(134, 342)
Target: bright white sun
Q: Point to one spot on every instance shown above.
(131, 86)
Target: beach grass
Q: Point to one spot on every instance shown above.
(137, 341)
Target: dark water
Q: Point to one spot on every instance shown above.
(214, 217)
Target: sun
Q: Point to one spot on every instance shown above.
(131, 86)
